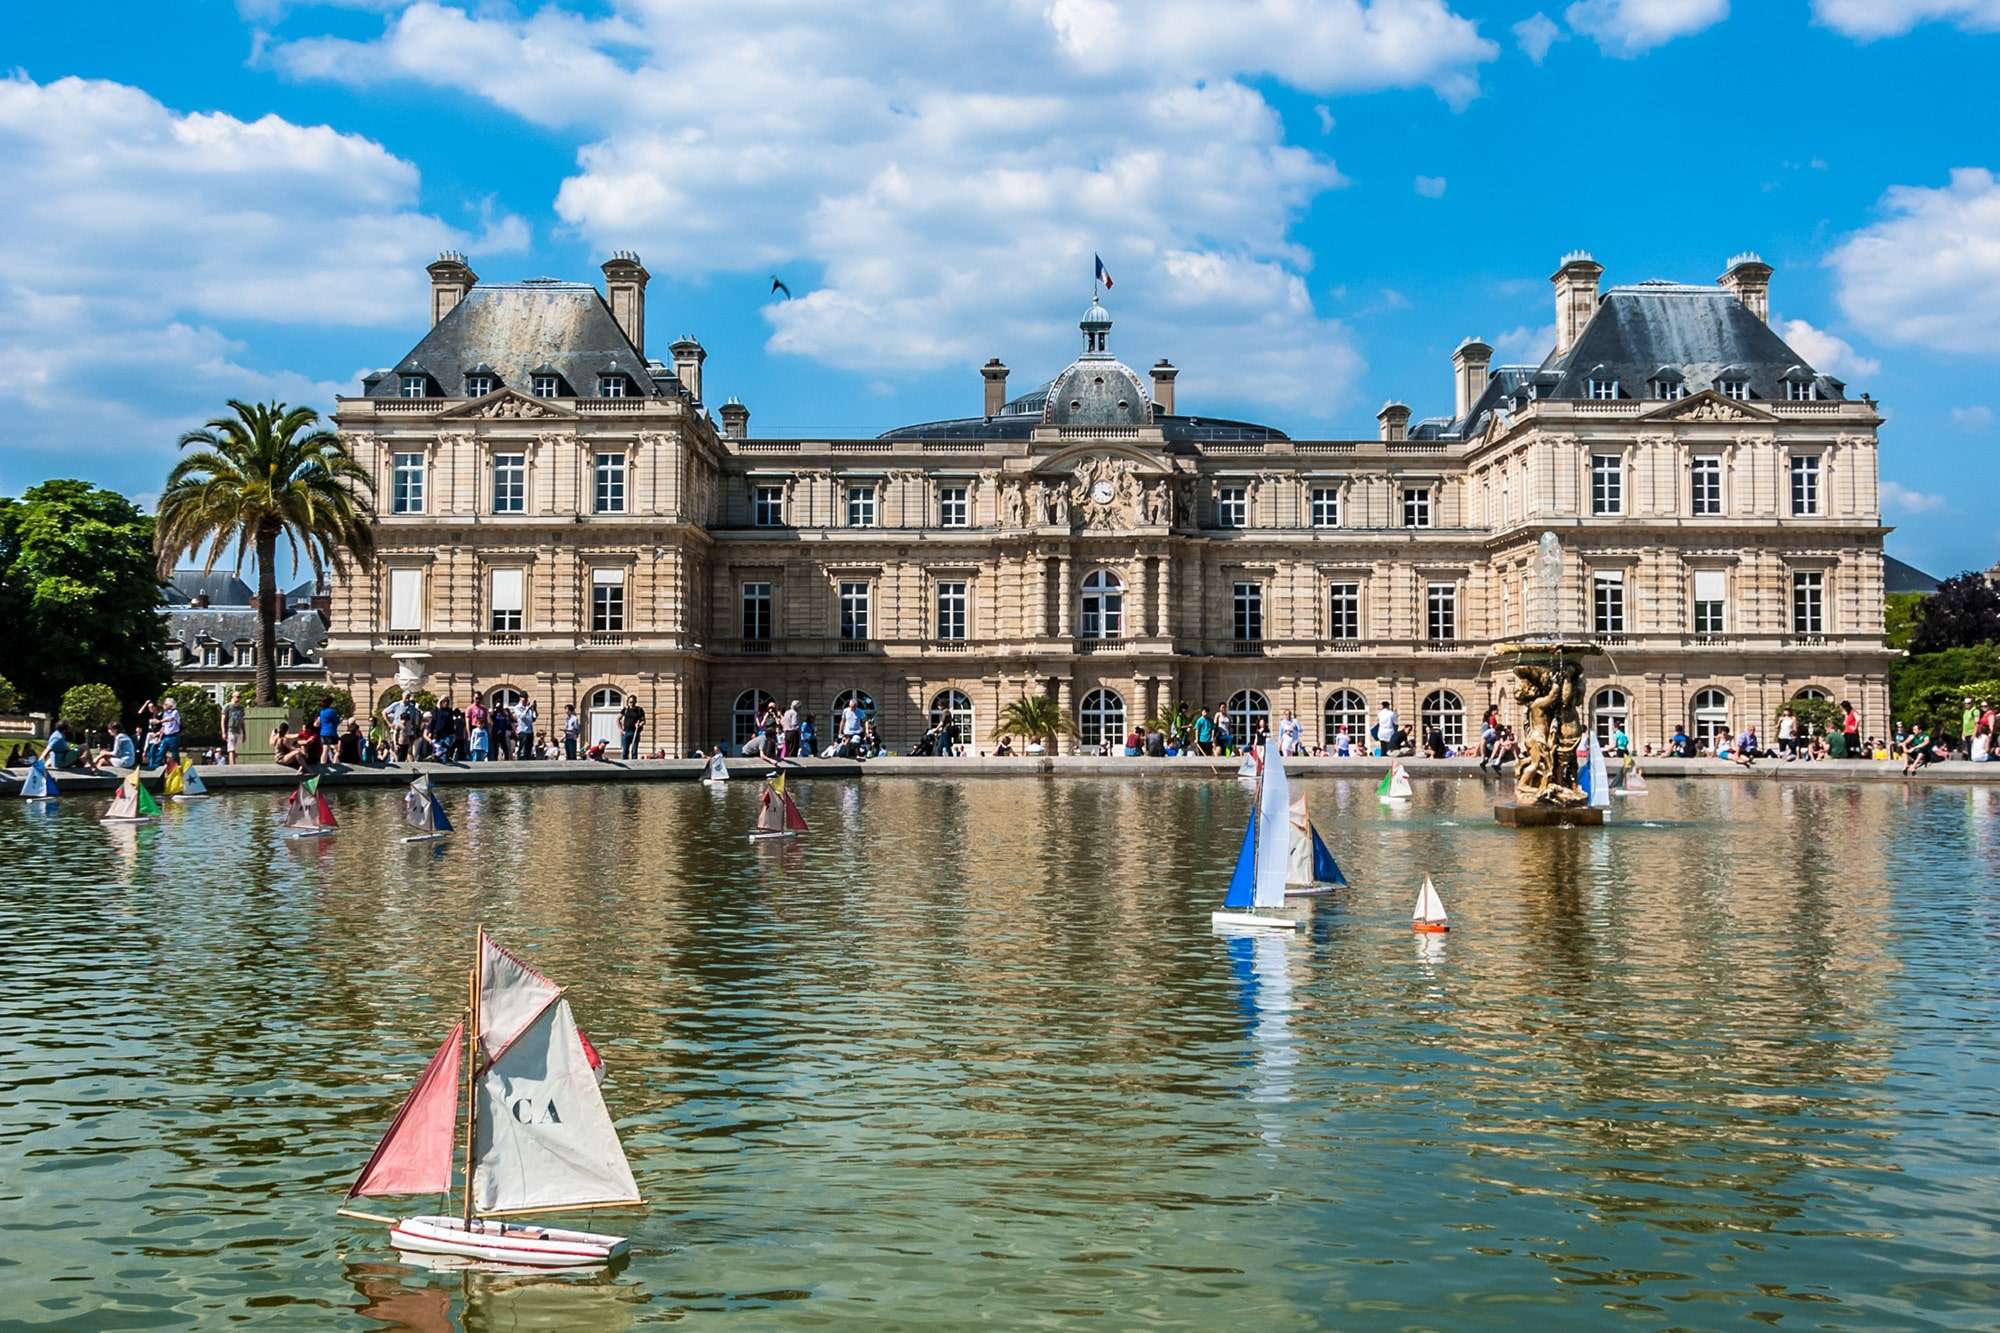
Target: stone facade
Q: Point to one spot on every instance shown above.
(1085, 541)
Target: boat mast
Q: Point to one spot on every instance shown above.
(472, 1074)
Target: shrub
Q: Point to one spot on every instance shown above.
(10, 698)
(201, 720)
(1816, 716)
(422, 699)
(91, 707)
(303, 699)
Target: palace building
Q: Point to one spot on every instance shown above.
(561, 516)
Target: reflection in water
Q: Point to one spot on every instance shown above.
(969, 1051)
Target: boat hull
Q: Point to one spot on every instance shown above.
(199, 796)
(772, 837)
(1254, 921)
(129, 819)
(425, 837)
(1308, 890)
(1430, 927)
(310, 833)
(506, 1242)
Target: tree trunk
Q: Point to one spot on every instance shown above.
(267, 617)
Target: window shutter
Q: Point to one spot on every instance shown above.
(1709, 585)
(406, 599)
(506, 590)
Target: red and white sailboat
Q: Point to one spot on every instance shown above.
(777, 813)
(308, 814)
(537, 1136)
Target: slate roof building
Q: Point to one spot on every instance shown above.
(212, 626)
(564, 517)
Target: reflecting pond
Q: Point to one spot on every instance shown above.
(971, 1051)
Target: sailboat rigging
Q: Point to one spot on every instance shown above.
(1313, 869)
(1256, 895)
(424, 812)
(307, 813)
(133, 804)
(777, 813)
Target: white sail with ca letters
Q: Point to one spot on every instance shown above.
(545, 1140)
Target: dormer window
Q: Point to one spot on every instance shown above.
(547, 386)
(1668, 390)
(1737, 389)
(478, 386)
(1603, 388)
(610, 386)
(1800, 392)
(416, 386)
(285, 654)
(211, 654)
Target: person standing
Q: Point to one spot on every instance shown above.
(788, 741)
(809, 736)
(1850, 729)
(631, 721)
(851, 722)
(525, 717)
(572, 727)
(1291, 734)
(170, 731)
(1385, 729)
(232, 728)
(1204, 734)
(329, 723)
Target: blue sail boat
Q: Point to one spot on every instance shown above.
(1313, 869)
(424, 812)
(39, 784)
(1256, 896)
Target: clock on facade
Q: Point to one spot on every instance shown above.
(1102, 492)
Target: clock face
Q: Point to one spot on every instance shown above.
(1102, 492)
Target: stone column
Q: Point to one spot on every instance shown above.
(1067, 706)
(1062, 596)
(1038, 620)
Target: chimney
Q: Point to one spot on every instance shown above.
(995, 375)
(322, 602)
(1748, 279)
(1576, 296)
(688, 357)
(735, 420)
(1395, 419)
(451, 279)
(1163, 387)
(625, 287)
(201, 601)
(1468, 372)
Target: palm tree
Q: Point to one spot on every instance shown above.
(1036, 717)
(270, 471)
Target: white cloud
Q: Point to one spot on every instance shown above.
(1536, 34)
(1972, 418)
(136, 236)
(1928, 273)
(1525, 344)
(1825, 352)
(1900, 499)
(1630, 27)
(1869, 19)
(1431, 187)
(951, 219)
(1325, 114)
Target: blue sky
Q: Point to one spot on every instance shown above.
(1304, 206)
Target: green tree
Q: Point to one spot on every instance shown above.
(422, 699)
(1815, 715)
(1036, 717)
(268, 472)
(1964, 611)
(91, 707)
(78, 597)
(201, 720)
(303, 698)
(1899, 617)
(10, 698)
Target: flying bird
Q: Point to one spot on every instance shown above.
(778, 286)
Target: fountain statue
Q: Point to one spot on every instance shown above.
(1548, 684)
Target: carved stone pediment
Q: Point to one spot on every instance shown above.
(1107, 493)
(1708, 405)
(509, 405)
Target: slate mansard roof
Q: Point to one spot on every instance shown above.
(516, 330)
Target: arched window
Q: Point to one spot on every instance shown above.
(1813, 692)
(743, 717)
(504, 696)
(1445, 711)
(1103, 606)
(1345, 710)
(958, 706)
(861, 701)
(1249, 713)
(603, 707)
(1711, 715)
(1610, 710)
(1101, 720)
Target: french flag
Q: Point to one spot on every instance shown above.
(1103, 273)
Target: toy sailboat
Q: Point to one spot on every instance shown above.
(1256, 894)
(307, 814)
(1252, 765)
(424, 812)
(1313, 869)
(537, 1136)
(1395, 784)
(1592, 775)
(39, 784)
(1429, 918)
(777, 813)
(184, 783)
(133, 804)
(717, 770)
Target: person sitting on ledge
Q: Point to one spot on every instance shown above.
(1005, 749)
(285, 748)
(348, 750)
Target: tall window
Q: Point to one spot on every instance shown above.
(757, 611)
(854, 611)
(954, 510)
(1711, 716)
(610, 386)
(1232, 507)
(1705, 484)
(607, 601)
(406, 600)
(1248, 604)
(860, 506)
(1249, 713)
(406, 491)
(1805, 484)
(610, 493)
(547, 386)
(416, 386)
(1610, 709)
(506, 611)
(1345, 711)
(1100, 719)
(951, 603)
(478, 386)
(510, 483)
(1446, 711)
(1326, 506)
(956, 705)
(1808, 601)
(745, 714)
(1604, 388)
(1441, 611)
(1343, 611)
(1416, 506)
(1607, 484)
(1710, 592)
(767, 506)
(1737, 389)
(1607, 610)
(211, 655)
(1103, 606)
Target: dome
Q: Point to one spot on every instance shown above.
(1096, 391)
